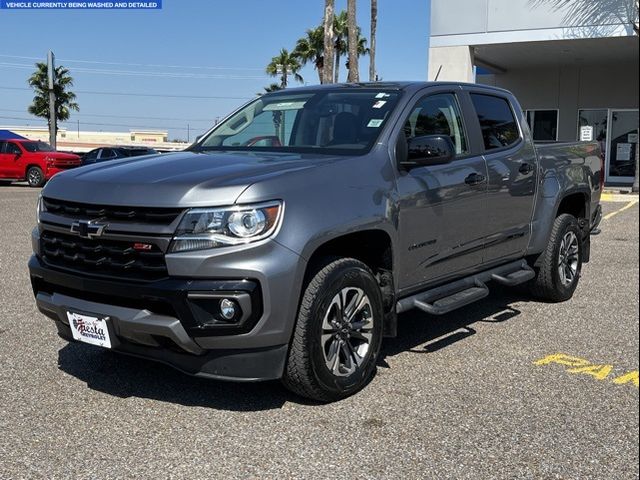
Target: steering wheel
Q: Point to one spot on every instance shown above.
(269, 141)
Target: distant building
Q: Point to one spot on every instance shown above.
(574, 70)
(83, 141)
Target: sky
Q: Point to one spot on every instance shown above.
(184, 66)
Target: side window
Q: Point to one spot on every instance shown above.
(92, 155)
(106, 154)
(438, 115)
(3, 145)
(12, 148)
(499, 127)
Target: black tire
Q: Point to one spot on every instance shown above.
(549, 284)
(307, 372)
(35, 177)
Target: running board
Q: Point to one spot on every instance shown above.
(454, 301)
(448, 297)
(515, 278)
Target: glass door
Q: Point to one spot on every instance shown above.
(622, 145)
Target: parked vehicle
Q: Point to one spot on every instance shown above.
(239, 261)
(33, 161)
(104, 154)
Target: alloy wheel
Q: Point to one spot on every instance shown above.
(347, 331)
(568, 258)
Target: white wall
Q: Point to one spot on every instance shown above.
(480, 22)
(571, 88)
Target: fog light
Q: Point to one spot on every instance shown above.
(228, 308)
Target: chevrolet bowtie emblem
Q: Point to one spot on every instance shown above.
(87, 229)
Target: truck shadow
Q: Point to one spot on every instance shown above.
(419, 332)
(123, 376)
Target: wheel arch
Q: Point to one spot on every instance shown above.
(374, 248)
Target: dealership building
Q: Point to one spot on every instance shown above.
(573, 64)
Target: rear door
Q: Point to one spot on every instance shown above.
(442, 218)
(512, 173)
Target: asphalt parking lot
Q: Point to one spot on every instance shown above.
(505, 388)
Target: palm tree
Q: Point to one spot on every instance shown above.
(327, 27)
(283, 64)
(352, 33)
(65, 100)
(311, 49)
(362, 48)
(372, 48)
(272, 87)
(340, 27)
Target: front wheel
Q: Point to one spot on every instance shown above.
(558, 268)
(35, 177)
(338, 333)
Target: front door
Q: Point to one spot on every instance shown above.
(442, 217)
(9, 160)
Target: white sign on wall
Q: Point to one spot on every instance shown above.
(623, 152)
(586, 133)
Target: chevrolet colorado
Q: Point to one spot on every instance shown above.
(284, 242)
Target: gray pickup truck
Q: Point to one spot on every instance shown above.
(285, 242)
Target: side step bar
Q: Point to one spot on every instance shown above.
(446, 298)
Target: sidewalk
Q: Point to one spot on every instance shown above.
(618, 194)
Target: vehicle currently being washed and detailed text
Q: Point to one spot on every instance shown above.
(284, 243)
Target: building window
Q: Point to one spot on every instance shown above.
(543, 124)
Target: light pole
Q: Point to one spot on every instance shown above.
(51, 77)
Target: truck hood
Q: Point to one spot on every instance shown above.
(62, 155)
(185, 179)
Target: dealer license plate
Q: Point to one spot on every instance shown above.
(88, 329)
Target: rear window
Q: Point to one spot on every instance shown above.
(499, 126)
(139, 151)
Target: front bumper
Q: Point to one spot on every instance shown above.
(50, 171)
(163, 339)
(160, 319)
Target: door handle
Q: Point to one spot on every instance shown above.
(474, 179)
(525, 168)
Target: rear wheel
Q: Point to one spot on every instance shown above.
(338, 333)
(35, 177)
(558, 268)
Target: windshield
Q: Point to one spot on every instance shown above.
(37, 147)
(324, 121)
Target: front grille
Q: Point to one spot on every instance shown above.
(102, 257)
(85, 211)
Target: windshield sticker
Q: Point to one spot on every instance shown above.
(383, 95)
(375, 122)
(284, 106)
(379, 104)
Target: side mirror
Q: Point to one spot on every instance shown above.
(428, 150)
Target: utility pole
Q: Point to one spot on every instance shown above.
(188, 134)
(51, 74)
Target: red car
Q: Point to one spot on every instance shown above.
(33, 161)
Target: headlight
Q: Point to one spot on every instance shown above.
(203, 228)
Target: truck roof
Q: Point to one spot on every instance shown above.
(390, 85)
